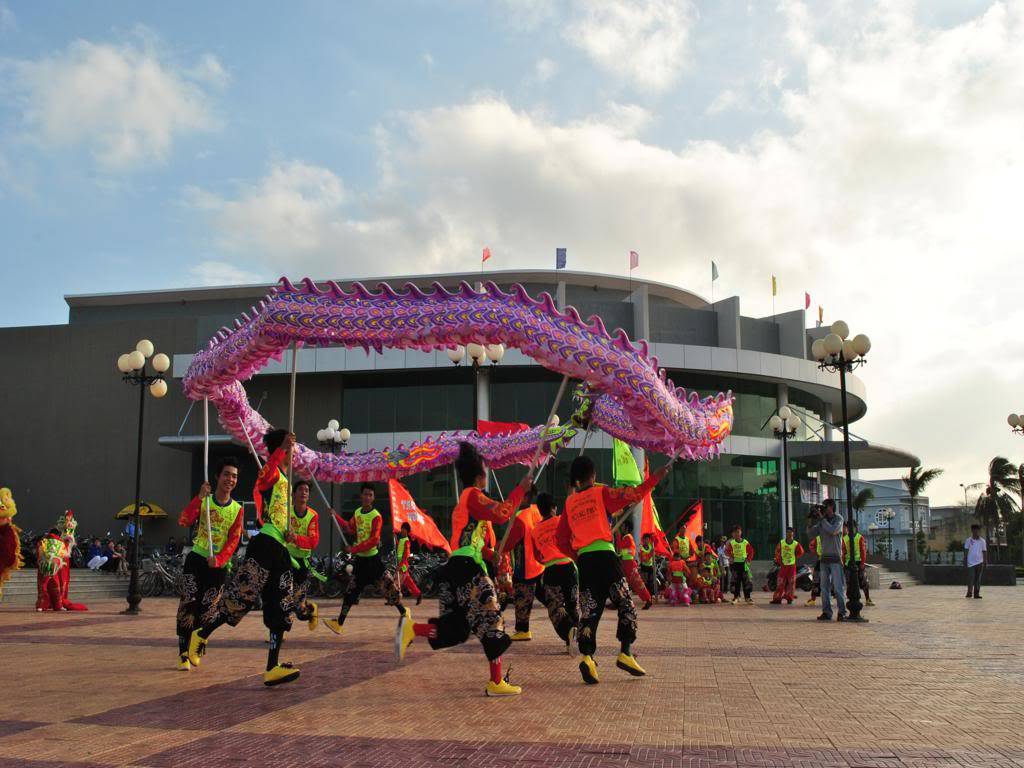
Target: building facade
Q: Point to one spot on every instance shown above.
(71, 422)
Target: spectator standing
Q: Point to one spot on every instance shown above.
(975, 560)
(724, 561)
(828, 527)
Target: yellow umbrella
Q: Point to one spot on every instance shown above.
(147, 509)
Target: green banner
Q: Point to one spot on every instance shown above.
(624, 468)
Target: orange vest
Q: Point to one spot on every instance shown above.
(532, 566)
(545, 543)
(588, 519)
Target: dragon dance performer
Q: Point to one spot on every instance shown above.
(403, 549)
(10, 538)
(303, 537)
(467, 599)
(560, 584)
(51, 553)
(586, 521)
(266, 573)
(787, 551)
(204, 572)
(627, 554)
(647, 564)
(368, 568)
(528, 567)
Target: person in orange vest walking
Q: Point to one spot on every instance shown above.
(787, 552)
(560, 591)
(403, 549)
(467, 599)
(741, 552)
(647, 563)
(627, 554)
(527, 569)
(587, 523)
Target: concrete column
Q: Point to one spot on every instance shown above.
(483, 393)
(728, 311)
(641, 312)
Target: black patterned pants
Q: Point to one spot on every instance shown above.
(561, 596)
(524, 593)
(265, 574)
(468, 605)
(601, 581)
(201, 588)
(367, 571)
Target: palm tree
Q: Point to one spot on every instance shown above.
(860, 500)
(996, 505)
(916, 480)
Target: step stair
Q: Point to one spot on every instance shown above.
(86, 585)
(886, 577)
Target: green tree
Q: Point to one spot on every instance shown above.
(996, 504)
(916, 480)
(861, 499)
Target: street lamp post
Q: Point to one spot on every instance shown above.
(1016, 423)
(783, 424)
(478, 354)
(333, 440)
(889, 515)
(873, 530)
(133, 367)
(835, 353)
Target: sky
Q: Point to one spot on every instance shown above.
(869, 153)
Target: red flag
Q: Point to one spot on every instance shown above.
(634, 259)
(807, 300)
(486, 256)
(694, 527)
(421, 526)
(499, 427)
(649, 522)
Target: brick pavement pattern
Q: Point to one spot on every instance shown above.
(933, 680)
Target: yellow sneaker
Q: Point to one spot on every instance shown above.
(282, 673)
(314, 617)
(404, 635)
(527, 635)
(334, 625)
(183, 663)
(748, 600)
(504, 688)
(196, 648)
(629, 664)
(869, 601)
(812, 601)
(734, 601)
(588, 669)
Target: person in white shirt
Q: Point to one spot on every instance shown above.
(975, 560)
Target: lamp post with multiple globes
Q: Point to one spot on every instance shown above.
(783, 424)
(478, 355)
(132, 365)
(838, 353)
(333, 440)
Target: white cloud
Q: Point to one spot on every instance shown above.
(428, 60)
(545, 69)
(127, 104)
(893, 199)
(725, 101)
(225, 273)
(643, 42)
(8, 23)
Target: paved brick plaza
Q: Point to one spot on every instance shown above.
(934, 680)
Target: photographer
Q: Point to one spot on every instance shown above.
(824, 522)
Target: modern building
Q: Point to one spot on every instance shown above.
(70, 423)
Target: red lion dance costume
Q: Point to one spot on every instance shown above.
(10, 538)
(54, 559)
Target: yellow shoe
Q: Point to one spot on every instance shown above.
(504, 688)
(334, 625)
(404, 635)
(314, 617)
(734, 601)
(629, 664)
(749, 600)
(812, 601)
(196, 648)
(588, 669)
(183, 663)
(282, 673)
(527, 635)
(869, 601)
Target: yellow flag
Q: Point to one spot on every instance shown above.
(775, 287)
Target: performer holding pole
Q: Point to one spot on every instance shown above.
(528, 568)
(560, 591)
(206, 566)
(403, 549)
(586, 524)
(468, 601)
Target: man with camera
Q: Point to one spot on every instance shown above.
(824, 522)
